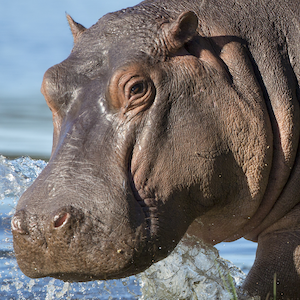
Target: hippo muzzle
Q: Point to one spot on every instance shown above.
(74, 241)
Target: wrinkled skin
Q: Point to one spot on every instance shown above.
(170, 118)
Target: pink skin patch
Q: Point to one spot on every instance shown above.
(60, 220)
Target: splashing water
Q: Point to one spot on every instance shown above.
(193, 271)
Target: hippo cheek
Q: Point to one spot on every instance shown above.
(73, 246)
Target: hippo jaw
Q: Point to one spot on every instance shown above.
(68, 260)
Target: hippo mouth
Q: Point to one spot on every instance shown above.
(148, 204)
(71, 250)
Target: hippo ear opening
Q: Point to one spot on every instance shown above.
(182, 30)
(76, 28)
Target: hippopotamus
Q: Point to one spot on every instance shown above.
(171, 118)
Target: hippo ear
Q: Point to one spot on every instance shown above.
(76, 28)
(179, 32)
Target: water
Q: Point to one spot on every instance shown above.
(34, 36)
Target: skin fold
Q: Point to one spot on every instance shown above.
(170, 118)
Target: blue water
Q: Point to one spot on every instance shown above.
(34, 35)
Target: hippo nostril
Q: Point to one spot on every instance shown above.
(67, 215)
(60, 220)
(18, 223)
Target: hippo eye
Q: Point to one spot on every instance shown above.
(137, 89)
(131, 89)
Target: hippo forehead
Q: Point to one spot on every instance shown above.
(120, 37)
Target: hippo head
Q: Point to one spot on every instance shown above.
(137, 148)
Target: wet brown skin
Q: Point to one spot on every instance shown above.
(170, 118)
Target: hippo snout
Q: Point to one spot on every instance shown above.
(73, 244)
(57, 232)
